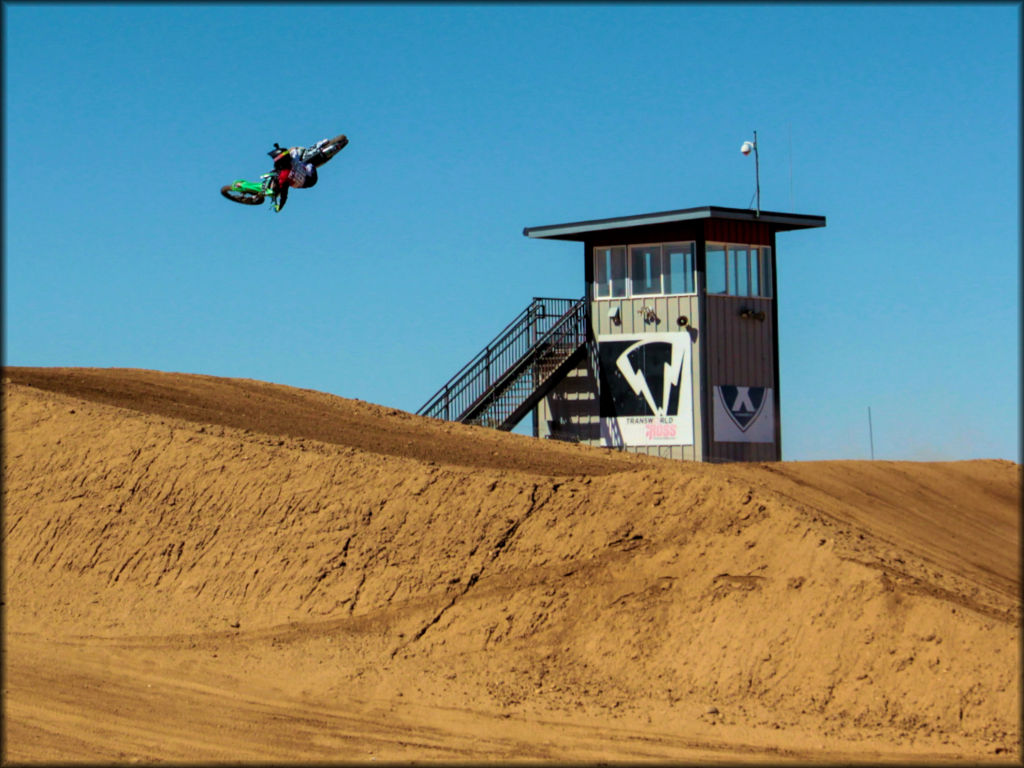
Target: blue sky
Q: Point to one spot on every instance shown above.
(467, 123)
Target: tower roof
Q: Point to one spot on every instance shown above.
(581, 230)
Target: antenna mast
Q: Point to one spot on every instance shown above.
(745, 149)
(757, 176)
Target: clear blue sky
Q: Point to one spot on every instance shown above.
(467, 123)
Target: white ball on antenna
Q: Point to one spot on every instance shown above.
(746, 147)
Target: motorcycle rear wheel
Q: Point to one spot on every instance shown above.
(332, 147)
(236, 195)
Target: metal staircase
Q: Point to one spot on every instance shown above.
(523, 363)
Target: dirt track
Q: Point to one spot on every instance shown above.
(202, 569)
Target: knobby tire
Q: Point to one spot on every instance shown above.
(331, 148)
(241, 196)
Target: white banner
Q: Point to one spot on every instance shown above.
(744, 414)
(646, 389)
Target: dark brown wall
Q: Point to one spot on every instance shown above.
(740, 350)
(728, 231)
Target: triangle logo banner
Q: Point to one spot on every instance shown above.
(744, 414)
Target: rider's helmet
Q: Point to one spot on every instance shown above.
(281, 157)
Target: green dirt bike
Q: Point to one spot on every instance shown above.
(255, 192)
(252, 192)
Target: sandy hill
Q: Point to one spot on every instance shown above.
(202, 569)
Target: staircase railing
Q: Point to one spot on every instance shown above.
(518, 392)
(547, 329)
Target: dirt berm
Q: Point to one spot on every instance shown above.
(204, 569)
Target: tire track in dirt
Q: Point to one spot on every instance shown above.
(495, 552)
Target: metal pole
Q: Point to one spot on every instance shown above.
(792, 207)
(757, 176)
(871, 434)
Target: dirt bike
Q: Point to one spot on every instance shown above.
(254, 193)
(251, 192)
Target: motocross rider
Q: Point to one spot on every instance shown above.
(296, 167)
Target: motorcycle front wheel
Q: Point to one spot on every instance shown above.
(237, 195)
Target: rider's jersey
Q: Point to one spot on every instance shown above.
(301, 174)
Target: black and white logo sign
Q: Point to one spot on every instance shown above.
(744, 414)
(646, 389)
(744, 404)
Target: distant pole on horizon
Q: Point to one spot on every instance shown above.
(871, 434)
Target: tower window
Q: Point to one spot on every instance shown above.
(678, 259)
(610, 272)
(645, 269)
(651, 270)
(739, 270)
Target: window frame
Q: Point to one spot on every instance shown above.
(692, 258)
(661, 269)
(629, 247)
(609, 280)
(755, 253)
(725, 269)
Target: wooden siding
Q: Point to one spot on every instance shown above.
(668, 309)
(571, 411)
(740, 351)
(731, 231)
(656, 233)
(726, 452)
(678, 452)
(718, 230)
